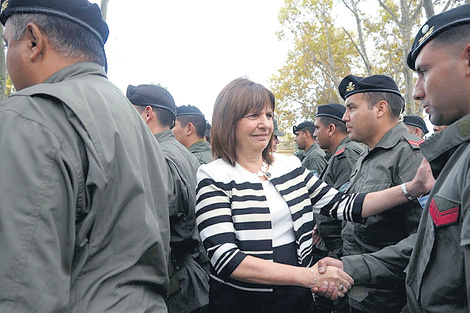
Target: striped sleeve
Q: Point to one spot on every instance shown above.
(331, 202)
(214, 220)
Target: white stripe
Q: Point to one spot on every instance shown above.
(241, 288)
(217, 229)
(212, 200)
(257, 234)
(249, 204)
(213, 213)
(242, 218)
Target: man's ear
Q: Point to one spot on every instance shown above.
(331, 129)
(467, 58)
(381, 108)
(36, 41)
(147, 113)
(190, 129)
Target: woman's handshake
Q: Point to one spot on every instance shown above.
(329, 280)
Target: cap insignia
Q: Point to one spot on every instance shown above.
(350, 87)
(4, 5)
(426, 34)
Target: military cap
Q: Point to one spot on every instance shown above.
(435, 26)
(417, 121)
(189, 110)
(303, 125)
(152, 95)
(81, 12)
(351, 85)
(333, 110)
(276, 131)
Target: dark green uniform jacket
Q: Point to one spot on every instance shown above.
(314, 159)
(438, 272)
(189, 283)
(84, 223)
(202, 151)
(337, 174)
(393, 161)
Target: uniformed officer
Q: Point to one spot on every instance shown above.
(84, 215)
(276, 133)
(436, 260)
(189, 130)
(416, 125)
(313, 157)
(391, 157)
(189, 283)
(332, 136)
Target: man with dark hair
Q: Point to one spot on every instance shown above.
(332, 136)
(437, 258)
(313, 157)
(189, 283)
(416, 125)
(189, 130)
(392, 157)
(84, 215)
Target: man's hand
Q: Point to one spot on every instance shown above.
(317, 239)
(329, 289)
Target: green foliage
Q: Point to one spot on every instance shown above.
(321, 54)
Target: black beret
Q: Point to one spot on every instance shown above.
(152, 95)
(417, 121)
(189, 110)
(351, 85)
(333, 110)
(301, 126)
(436, 25)
(276, 131)
(82, 12)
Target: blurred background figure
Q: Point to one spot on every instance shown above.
(276, 133)
(207, 134)
(416, 125)
(313, 157)
(189, 129)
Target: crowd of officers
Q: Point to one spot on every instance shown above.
(76, 162)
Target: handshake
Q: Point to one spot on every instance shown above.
(329, 279)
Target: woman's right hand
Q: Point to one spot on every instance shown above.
(333, 276)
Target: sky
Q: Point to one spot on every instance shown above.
(193, 48)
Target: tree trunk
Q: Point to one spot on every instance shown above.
(429, 8)
(104, 8)
(362, 47)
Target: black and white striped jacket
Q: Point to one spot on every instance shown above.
(234, 220)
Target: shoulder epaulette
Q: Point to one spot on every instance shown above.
(413, 140)
(340, 151)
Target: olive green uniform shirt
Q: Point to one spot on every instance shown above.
(189, 283)
(436, 260)
(202, 151)
(337, 174)
(84, 215)
(393, 161)
(314, 159)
